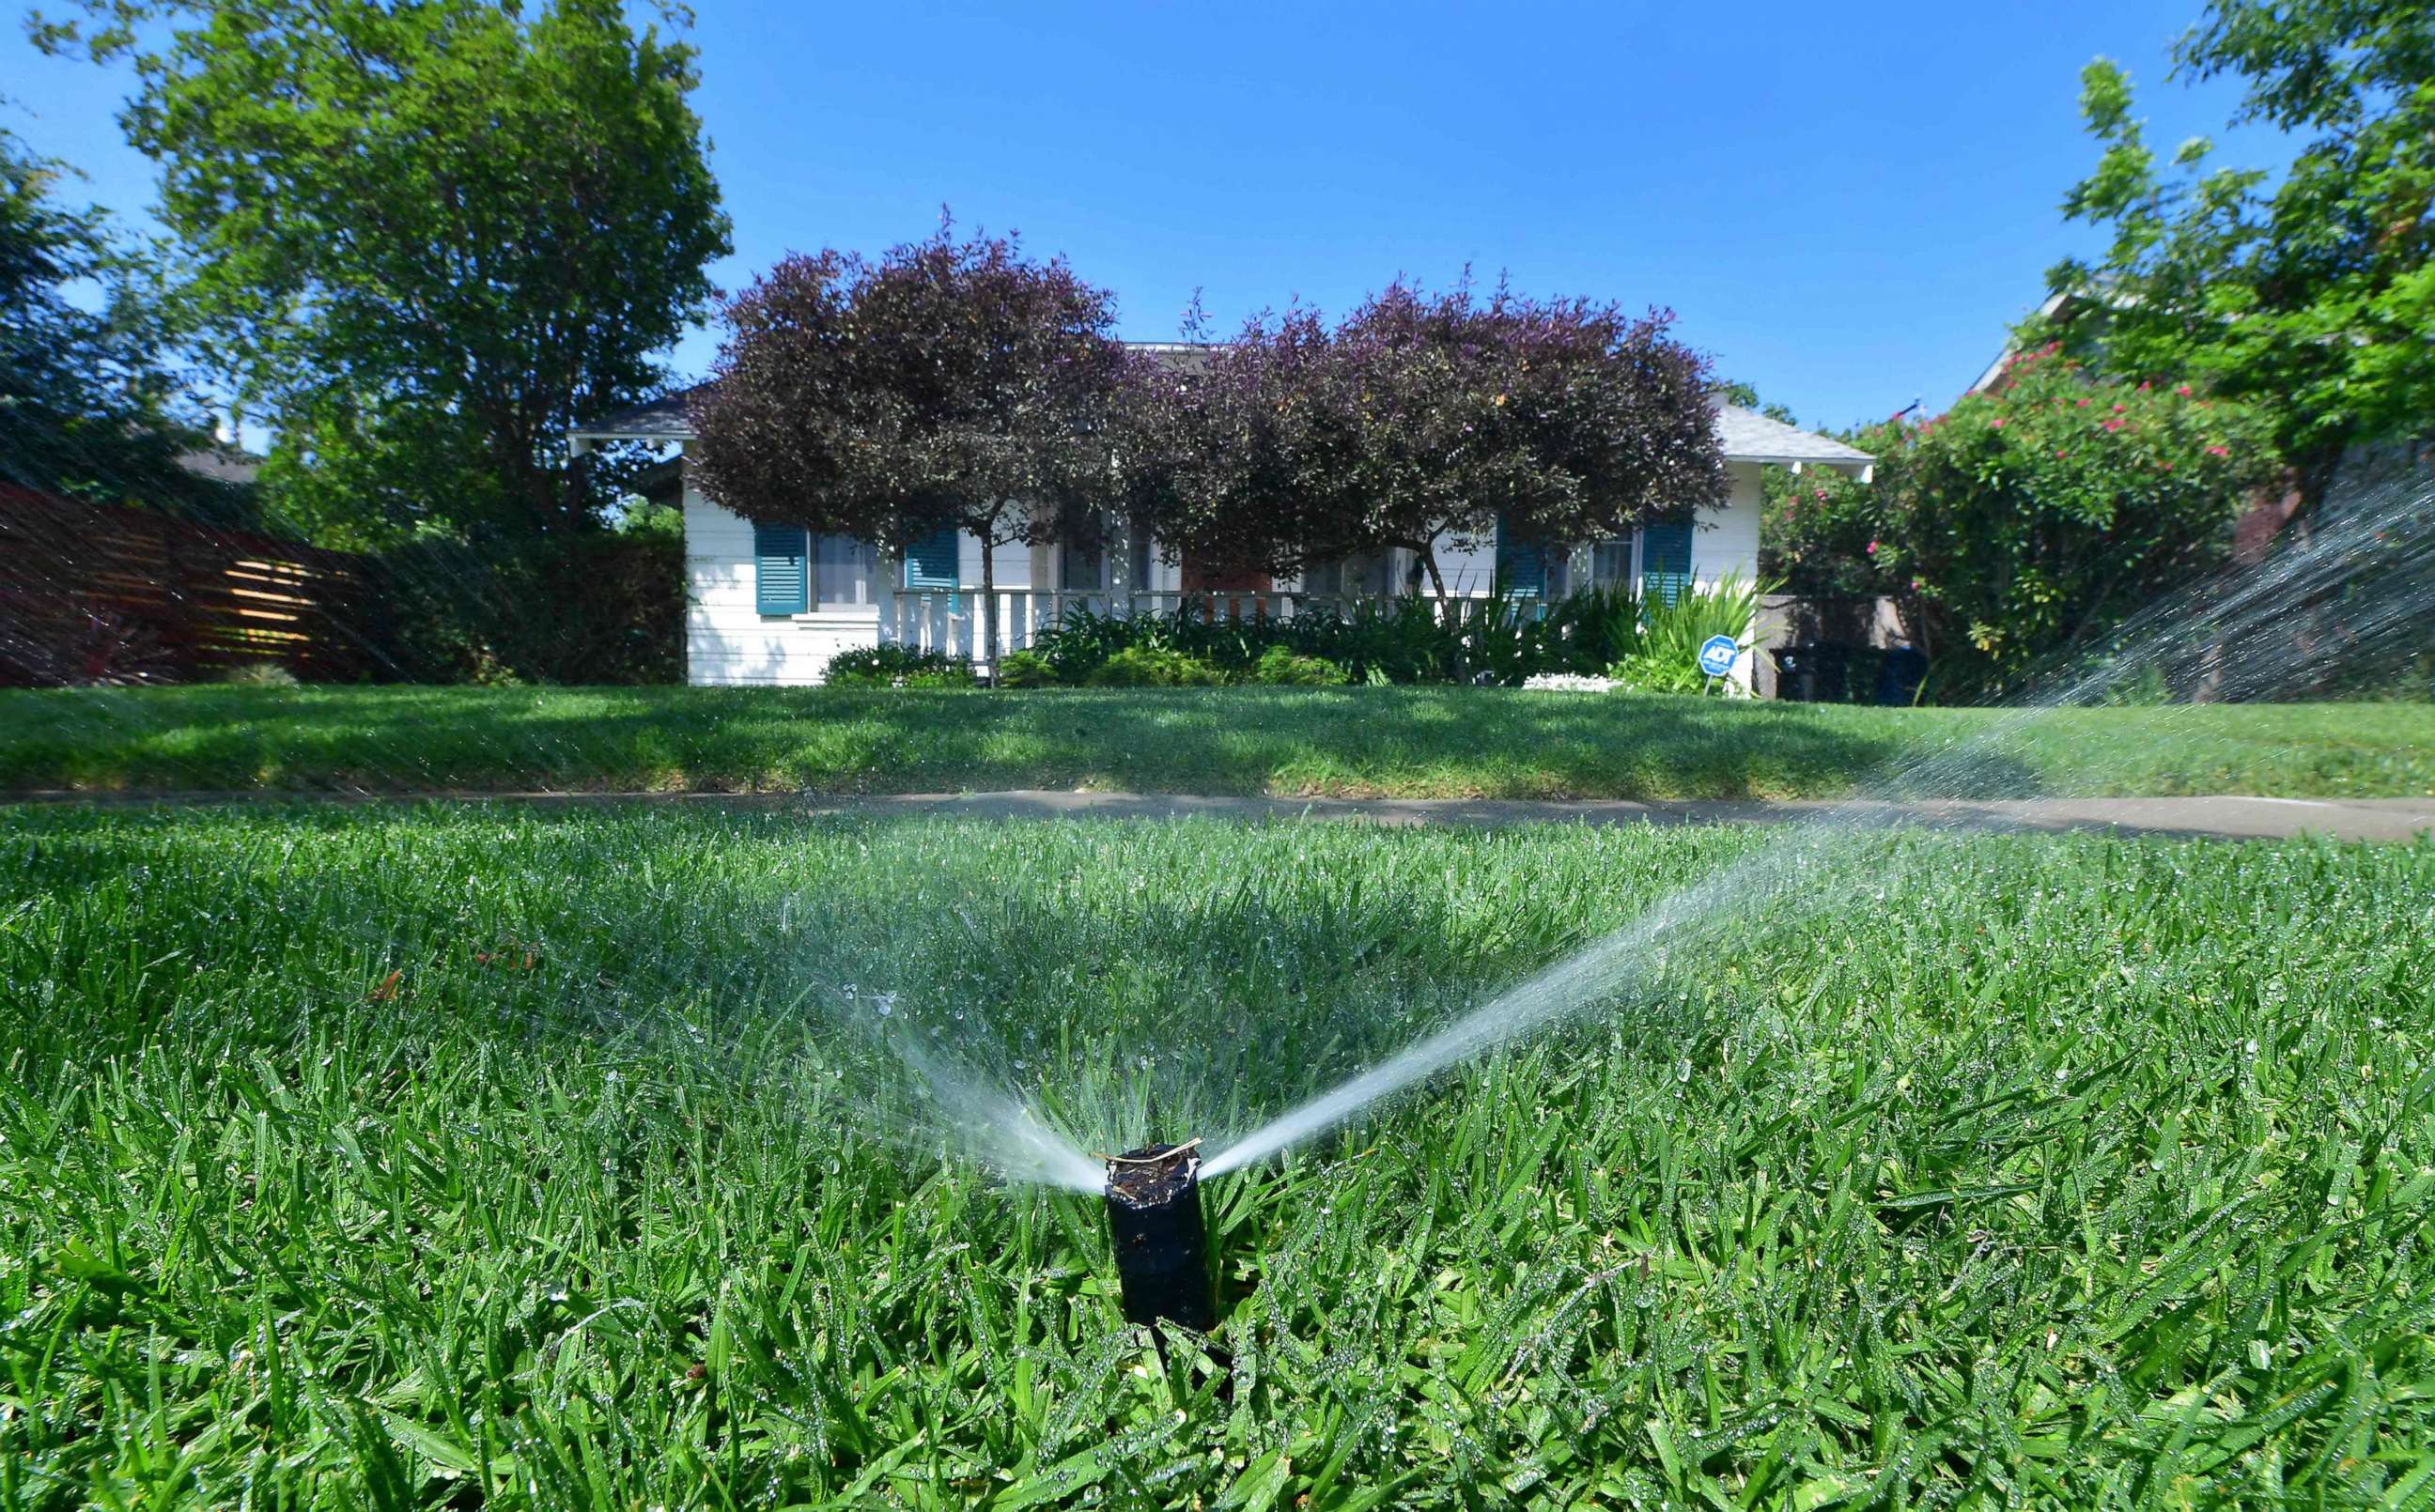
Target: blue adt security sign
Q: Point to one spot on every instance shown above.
(1716, 655)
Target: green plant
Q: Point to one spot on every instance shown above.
(1668, 660)
(1146, 666)
(1587, 632)
(897, 667)
(1279, 665)
(260, 675)
(1025, 669)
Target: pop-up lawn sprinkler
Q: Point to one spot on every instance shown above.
(1161, 1248)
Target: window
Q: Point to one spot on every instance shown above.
(1611, 562)
(777, 569)
(1664, 560)
(932, 564)
(1080, 569)
(844, 570)
(1521, 566)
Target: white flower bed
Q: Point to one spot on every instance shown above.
(1568, 682)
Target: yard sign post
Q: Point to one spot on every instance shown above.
(1717, 655)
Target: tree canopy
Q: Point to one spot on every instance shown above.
(90, 407)
(2310, 295)
(950, 384)
(1422, 419)
(423, 239)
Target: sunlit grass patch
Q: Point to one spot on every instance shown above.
(1398, 742)
(449, 1154)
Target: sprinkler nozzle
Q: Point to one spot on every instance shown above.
(1162, 1248)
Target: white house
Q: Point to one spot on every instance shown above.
(770, 606)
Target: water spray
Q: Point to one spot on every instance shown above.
(1162, 1246)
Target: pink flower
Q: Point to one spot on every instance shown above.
(2113, 425)
(2219, 451)
(1995, 424)
(2083, 404)
(1873, 548)
(2143, 386)
(2061, 453)
(2167, 465)
(2184, 390)
(2118, 409)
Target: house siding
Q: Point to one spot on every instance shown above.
(729, 643)
(1727, 540)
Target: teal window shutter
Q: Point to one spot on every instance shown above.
(930, 565)
(778, 568)
(1664, 561)
(1521, 568)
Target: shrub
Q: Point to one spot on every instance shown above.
(1588, 633)
(593, 607)
(1025, 669)
(260, 675)
(1081, 639)
(897, 667)
(1146, 666)
(2022, 526)
(1279, 666)
(1668, 660)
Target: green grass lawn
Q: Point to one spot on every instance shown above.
(449, 1156)
(1387, 742)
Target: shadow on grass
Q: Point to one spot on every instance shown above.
(1393, 742)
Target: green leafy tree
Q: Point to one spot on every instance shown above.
(950, 384)
(2030, 519)
(2310, 296)
(422, 239)
(89, 405)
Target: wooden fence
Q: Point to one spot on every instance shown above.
(101, 594)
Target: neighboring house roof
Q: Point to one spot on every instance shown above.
(2047, 309)
(664, 418)
(222, 464)
(1747, 434)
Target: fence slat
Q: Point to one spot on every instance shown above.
(104, 593)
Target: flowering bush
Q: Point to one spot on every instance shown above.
(2030, 518)
(1566, 682)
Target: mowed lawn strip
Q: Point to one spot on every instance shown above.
(452, 1155)
(1364, 741)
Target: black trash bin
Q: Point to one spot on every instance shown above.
(1815, 672)
(1898, 679)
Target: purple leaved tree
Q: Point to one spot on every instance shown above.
(1422, 419)
(950, 384)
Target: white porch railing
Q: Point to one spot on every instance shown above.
(937, 619)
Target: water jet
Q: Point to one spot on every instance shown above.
(1153, 1195)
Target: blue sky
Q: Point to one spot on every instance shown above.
(1845, 206)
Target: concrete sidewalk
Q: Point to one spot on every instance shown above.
(2241, 819)
(2225, 817)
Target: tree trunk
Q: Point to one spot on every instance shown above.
(988, 648)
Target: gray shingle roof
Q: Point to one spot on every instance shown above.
(664, 418)
(1750, 437)
(1747, 434)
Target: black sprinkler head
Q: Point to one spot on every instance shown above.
(1161, 1248)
